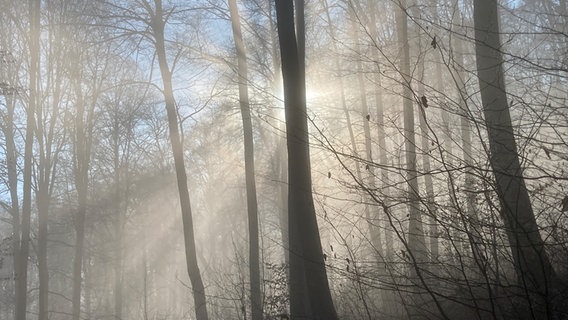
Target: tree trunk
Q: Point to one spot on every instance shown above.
(280, 156)
(43, 211)
(383, 161)
(118, 220)
(426, 165)
(198, 289)
(306, 258)
(12, 173)
(533, 268)
(371, 217)
(472, 223)
(82, 156)
(342, 89)
(252, 207)
(416, 242)
(23, 252)
(49, 148)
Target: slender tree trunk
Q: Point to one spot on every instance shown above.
(534, 271)
(383, 161)
(88, 285)
(429, 185)
(426, 166)
(254, 259)
(416, 242)
(371, 217)
(81, 184)
(471, 224)
(425, 141)
(145, 291)
(43, 210)
(12, 172)
(82, 145)
(118, 221)
(342, 89)
(48, 148)
(23, 252)
(78, 260)
(198, 288)
(306, 257)
(281, 168)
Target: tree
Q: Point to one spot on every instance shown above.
(532, 265)
(157, 23)
(416, 242)
(308, 278)
(8, 129)
(23, 252)
(252, 207)
(379, 102)
(51, 138)
(371, 214)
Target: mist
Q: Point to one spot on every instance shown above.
(318, 159)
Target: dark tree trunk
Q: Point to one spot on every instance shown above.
(531, 262)
(306, 258)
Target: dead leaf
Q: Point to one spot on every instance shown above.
(547, 152)
(434, 44)
(424, 101)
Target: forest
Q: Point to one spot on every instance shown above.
(286, 159)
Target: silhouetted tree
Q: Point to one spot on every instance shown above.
(308, 277)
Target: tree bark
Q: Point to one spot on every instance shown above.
(252, 207)
(200, 301)
(533, 268)
(306, 258)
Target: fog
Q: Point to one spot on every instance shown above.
(183, 160)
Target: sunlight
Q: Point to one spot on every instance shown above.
(391, 196)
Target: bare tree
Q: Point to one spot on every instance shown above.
(157, 23)
(252, 207)
(308, 277)
(534, 271)
(23, 252)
